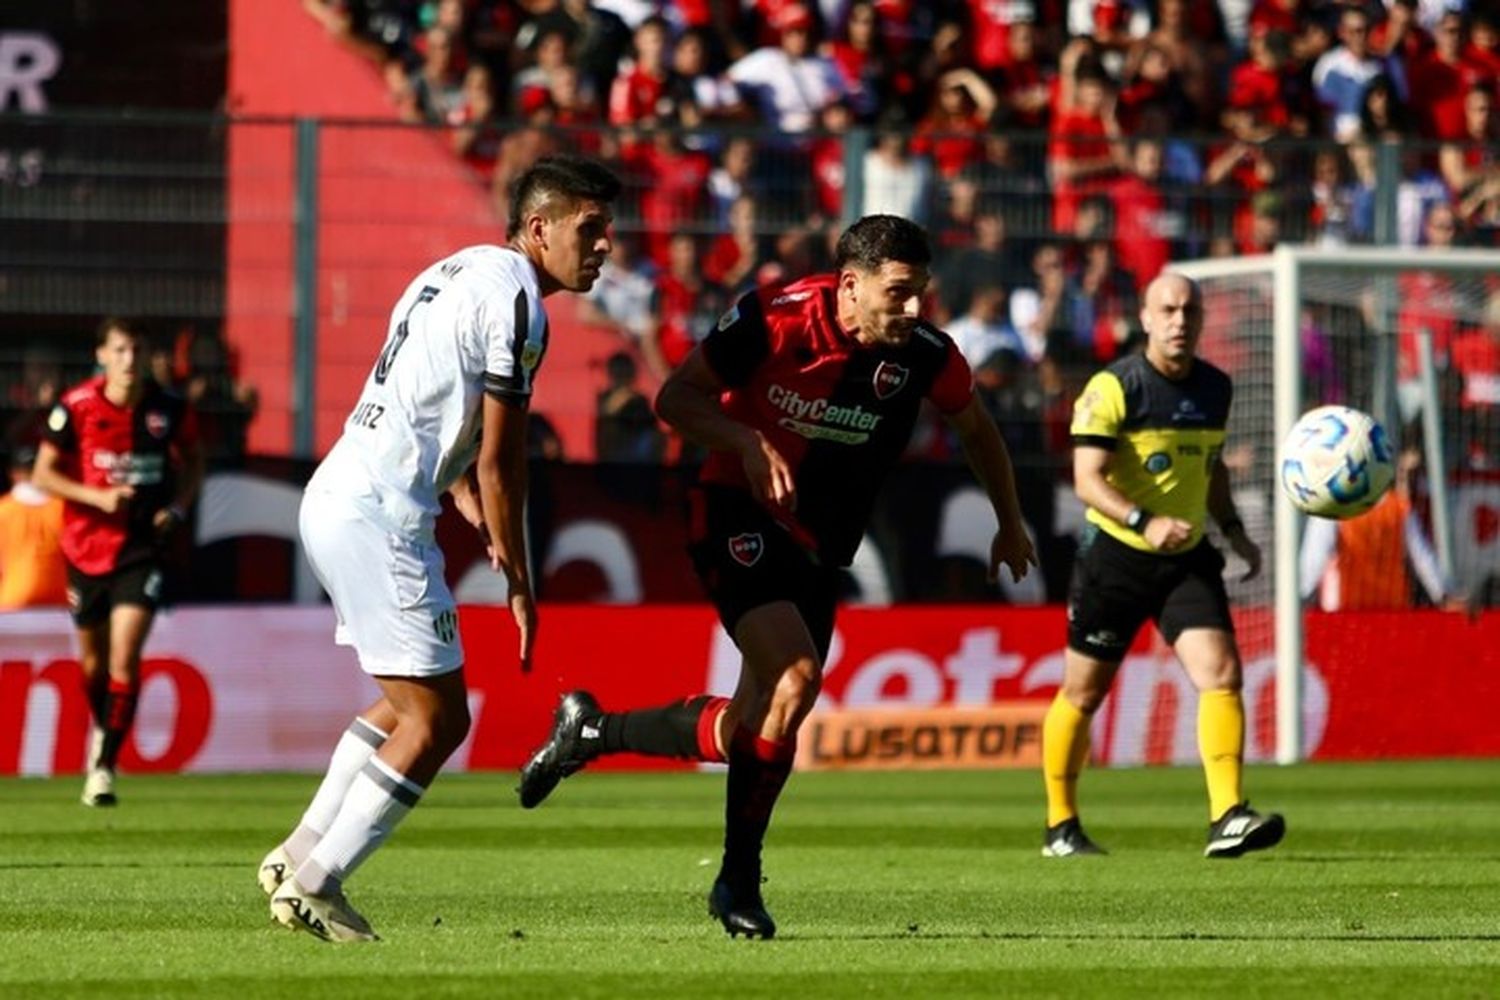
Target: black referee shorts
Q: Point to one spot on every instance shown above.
(1115, 588)
(746, 560)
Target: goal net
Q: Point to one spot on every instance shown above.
(1411, 337)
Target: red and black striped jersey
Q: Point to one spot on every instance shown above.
(107, 445)
(839, 411)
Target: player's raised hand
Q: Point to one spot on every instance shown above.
(1013, 548)
(769, 475)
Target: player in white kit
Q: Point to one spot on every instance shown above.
(449, 390)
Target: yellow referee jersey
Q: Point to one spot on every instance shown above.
(1165, 436)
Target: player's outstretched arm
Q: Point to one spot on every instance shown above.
(990, 459)
(501, 474)
(689, 403)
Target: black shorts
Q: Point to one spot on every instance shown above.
(1115, 588)
(92, 598)
(746, 560)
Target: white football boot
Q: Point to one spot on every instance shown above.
(275, 868)
(329, 917)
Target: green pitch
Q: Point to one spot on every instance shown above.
(907, 885)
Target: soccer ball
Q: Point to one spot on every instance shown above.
(1336, 462)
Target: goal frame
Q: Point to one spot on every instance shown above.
(1287, 266)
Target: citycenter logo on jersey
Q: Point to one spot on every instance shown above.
(818, 419)
(126, 468)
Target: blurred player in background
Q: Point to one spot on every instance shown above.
(805, 395)
(450, 389)
(123, 454)
(1147, 435)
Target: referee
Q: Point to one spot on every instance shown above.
(1147, 436)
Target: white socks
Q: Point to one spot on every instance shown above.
(355, 747)
(376, 802)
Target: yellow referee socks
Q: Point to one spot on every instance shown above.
(1221, 744)
(1065, 747)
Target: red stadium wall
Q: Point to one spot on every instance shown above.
(392, 199)
(265, 689)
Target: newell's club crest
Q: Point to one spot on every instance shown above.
(157, 423)
(746, 549)
(889, 378)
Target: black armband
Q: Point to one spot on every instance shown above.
(1137, 519)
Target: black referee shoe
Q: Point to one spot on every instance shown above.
(1067, 839)
(565, 752)
(735, 902)
(1242, 829)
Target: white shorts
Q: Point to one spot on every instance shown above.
(388, 591)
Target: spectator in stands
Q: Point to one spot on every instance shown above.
(1192, 48)
(1023, 83)
(1429, 303)
(691, 80)
(623, 296)
(1083, 150)
(733, 178)
(1484, 42)
(532, 85)
(625, 428)
(1476, 360)
(1471, 160)
(870, 76)
(1441, 80)
(377, 29)
(952, 133)
(896, 182)
(1421, 189)
(1341, 74)
(1332, 197)
(438, 82)
(1262, 83)
(600, 39)
(575, 109)
(1400, 35)
(1382, 114)
(638, 95)
(1367, 563)
(32, 571)
(984, 329)
(687, 307)
(735, 256)
(674, 186)
(788, 82)
(826, 158)
(476, 131)
(1144, 227)
(990, 258)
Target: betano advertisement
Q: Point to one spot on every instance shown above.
(266, 689)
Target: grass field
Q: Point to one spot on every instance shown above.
(912, 885)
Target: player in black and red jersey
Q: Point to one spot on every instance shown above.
(805, 396)
(123, 454)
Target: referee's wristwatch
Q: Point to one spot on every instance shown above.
(1137, 519)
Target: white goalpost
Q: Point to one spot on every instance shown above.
(1369, 327)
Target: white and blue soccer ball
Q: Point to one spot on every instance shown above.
(1336, 462)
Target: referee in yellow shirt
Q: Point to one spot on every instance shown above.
(1147, 435)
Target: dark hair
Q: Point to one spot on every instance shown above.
(875, 239)
(563, 180)
(132, 328)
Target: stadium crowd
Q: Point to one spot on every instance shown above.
(1060, 151)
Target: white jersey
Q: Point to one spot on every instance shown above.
(468, 325)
